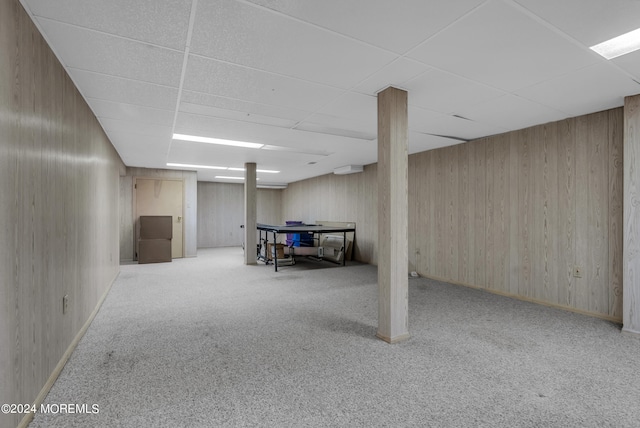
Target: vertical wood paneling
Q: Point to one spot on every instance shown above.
(514, 213)
(597, 268)
(451, 213)
(525, 216)
(221, 210)
(550, 205)
(581, 297)
(480, 182)
(414, 216)
(59, 211)
(536, 209)
(439, 207)
(566, 141)
(464, 218)
(490, 236)
(615, 211)
(501, 219)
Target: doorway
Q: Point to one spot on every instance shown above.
(160, 197)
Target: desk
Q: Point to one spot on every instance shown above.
(314, 229)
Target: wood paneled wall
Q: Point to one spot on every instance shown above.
(221, 212)
(127, 222)
(517, 213)
(514, 213)
(58, 211)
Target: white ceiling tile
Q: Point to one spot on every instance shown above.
(351, 111)
(228, 129)
(131, 113)
(629, 63)
(584, 91)
(232, 81)
(215, 112)
(235, 105)
(243, 34)
(101, 86)
(92, 51)
(588, 21)
(161, 133)
(511, 112)
(324, 129)
(162, 22)
(140, 150)
(379, 22)
(446, 93)
(430, 122)
(394, 74)
(419, 142)
(503, 47)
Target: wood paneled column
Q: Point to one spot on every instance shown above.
(631, 220)
(393, 216)
(250, 213)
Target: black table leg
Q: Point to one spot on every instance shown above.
(344, 248)
(275, 251)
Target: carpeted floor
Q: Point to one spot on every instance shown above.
(209, 342)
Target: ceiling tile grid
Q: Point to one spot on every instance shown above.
(241, 34)
(302, 76)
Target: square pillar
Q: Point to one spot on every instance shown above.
(250, 214)
(631, 217)
(393, 216)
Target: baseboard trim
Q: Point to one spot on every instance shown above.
(26, 420)
(613, 319)
(631, 333)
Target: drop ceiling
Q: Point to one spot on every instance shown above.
(301, 76)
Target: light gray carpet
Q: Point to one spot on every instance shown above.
(209, 342)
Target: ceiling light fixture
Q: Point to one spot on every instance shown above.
(229, 177)
(187, 165)
(272, 186)
(266, 171)
(209, 140)
(348, 169)
(619, 46)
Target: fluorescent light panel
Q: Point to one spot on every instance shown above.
(619, 46)
(209, 140)
(272, 186)
(266, 171)
(229, 177)
(187, 165)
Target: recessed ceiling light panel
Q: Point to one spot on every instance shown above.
(208, 140)
(619, 46)
(188, 165)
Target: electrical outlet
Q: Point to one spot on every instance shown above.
(65, 303)
(577, 272)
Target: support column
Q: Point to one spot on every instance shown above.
(393, 216)
(250, 213)
(631, 220)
